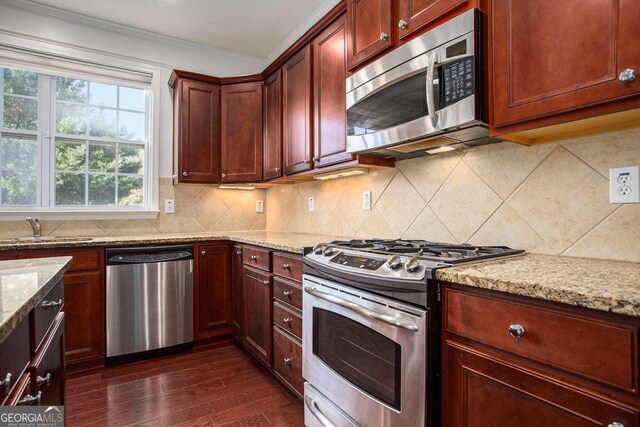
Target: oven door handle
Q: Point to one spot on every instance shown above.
(313, 407)
(388, 319)
(431, 104)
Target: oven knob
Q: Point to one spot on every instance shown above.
(394, 262)
(327, 251)
(412, 265)
(317, 249)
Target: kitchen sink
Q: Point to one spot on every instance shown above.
(43, 239)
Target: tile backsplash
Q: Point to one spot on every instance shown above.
(550, 198)
(197, 209)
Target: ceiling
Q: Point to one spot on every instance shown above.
(257, 28)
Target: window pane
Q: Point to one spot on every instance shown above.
(102, 190)
(102, 157)
(18, 153)
(70, 156)
(70, 189)
(130, 190)
(131, 159)
(20, 113)
(102, 123)
(132, 99)
(103, 95)
(18, 187)
(132, 126)
(71, 119)
(20, 82)
(71, 90)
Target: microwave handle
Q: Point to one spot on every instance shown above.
(431, 103)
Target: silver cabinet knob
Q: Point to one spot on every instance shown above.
(254, 257)
(402, 24)
(238, 252)
(45, 379)
(224, 175)
(316, 158)
(306, 161)
(6, 382)
(285, 266)
(277, 169)
(265, 282)
(516, 331)
(286, 294)
(384, 36)
(287, 360)
(203, 253)
(627, 76)
(185, 173)
(51, 303)
(30, 400)
(286, 320)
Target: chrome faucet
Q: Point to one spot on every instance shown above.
(35, 226)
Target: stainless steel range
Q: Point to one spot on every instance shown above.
(371, 321)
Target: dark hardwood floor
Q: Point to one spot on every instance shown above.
(206, 387)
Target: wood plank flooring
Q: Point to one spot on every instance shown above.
(208, 387)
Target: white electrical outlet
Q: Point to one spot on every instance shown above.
(260, 206)
(312, 204)
(366, 200)
(624, 185)
(169, 206)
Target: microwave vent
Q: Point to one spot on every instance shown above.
(423, 144)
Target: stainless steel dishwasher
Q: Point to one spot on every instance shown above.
(149, 301)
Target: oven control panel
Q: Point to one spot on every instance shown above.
(358, 261)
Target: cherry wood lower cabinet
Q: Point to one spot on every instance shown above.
(257, 294)
(510, 360)
(212, 290)
(236, 291)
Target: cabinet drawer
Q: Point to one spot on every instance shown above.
(287, 362)
(14, 357)
(88, 259)
(288, 266)
(588, 346)
(287, 292)
(255, 257)
(287, 320)
(47, 367)
(46, 311)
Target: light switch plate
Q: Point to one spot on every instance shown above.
(312, 204)
(259, 206)
(366, 200)
(624, 185)
(169, 206)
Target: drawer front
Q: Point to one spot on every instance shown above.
(46, 311)
(287, 320)
(256, 257)
(14, 357)
(287, 292)
(82, 259)
(288, 266)
(287, 362)
(591, 347)
(47, 366)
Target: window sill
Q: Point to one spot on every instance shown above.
(76, 214)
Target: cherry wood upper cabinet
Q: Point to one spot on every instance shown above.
(369, 29)
(329, 95)
(555, 57)
(413, 15)
(296, 112)
(212, 290)
(272, 147)
(241, 143)
(196, 131)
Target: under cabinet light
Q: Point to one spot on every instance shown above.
(442, 149)
(237, 187)
(341, 173)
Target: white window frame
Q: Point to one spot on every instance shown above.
(151, 179)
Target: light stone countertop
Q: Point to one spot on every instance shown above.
(612, 286)
(23, 283)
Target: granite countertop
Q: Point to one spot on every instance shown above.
(612, 286)
(23, 283)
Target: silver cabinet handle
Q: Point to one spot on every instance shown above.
(615, 424)
(627, 76)
(286, 320)
(364, 311)
(185, 173)
(306, 161)
(516, 331)
(285, 266)
(287, 360)
(286, 294)
(402, 24)
(6, 382)
(224, 175)
(238, 252)
(384, 36)
(265, 282)
(203, 253)
(30, 400)
(313, 407)
(51, 303)
(254, 257)
(431, 103)
(45, 379)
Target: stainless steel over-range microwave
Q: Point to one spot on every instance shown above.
(427, 96)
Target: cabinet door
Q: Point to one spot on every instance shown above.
(296, 112)
(480, 391)
(236, 289)
(197, 126)
(546, 59)
(212, 293)
(272, 101)
(329, 96)
(241, 144)
(415, 14)
(84, 316)
(369, 29)
(257, 294)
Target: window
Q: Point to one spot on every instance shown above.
(72, 144)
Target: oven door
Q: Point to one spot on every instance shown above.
(366, 354)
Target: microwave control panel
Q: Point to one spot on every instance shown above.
(457, 80)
